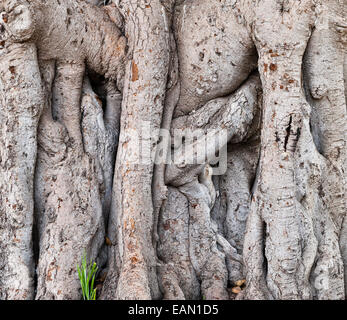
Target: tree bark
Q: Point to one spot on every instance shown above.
(131, 221)
(109, 116)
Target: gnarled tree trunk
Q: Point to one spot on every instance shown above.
(195, 149)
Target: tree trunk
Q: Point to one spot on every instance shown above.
(192, 149)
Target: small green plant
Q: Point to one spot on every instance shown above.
(86, 274)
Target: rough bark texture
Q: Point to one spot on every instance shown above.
(22, 101)
(133, 263)
(86, 86)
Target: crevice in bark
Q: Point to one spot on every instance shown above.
(288, 129)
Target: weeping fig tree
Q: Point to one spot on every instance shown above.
(194, 149)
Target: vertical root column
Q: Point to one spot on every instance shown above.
(21, 104)
(282, 218)
(281, 33)
(131, 216)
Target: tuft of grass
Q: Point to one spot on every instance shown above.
(86, 274)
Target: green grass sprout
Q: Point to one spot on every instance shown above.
(86, 274)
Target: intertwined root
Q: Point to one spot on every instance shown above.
(71, 185)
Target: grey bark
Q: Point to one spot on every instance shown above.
(83, 84)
